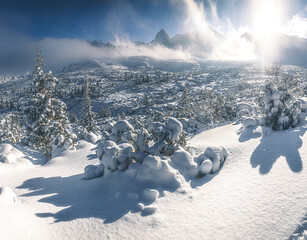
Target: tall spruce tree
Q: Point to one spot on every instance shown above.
(48, 125)
(86, 113)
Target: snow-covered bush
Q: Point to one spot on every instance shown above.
(121, 143)
(282, 110)
(216, 155)
(244, 110)
(159, 146)
(278, 100)
(207, 107)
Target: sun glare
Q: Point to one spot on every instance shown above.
(267, 17)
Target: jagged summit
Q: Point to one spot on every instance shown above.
(162, 38)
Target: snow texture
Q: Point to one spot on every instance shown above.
(7, 195)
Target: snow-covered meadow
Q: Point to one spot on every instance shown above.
(177, 150)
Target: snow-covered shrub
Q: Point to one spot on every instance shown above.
(280, 107)
(208, 107)
(121, 144)
(244, 110)
(216, 155)
(282, 110)
(159, 146)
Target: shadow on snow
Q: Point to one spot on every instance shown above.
(108, 198)
(278, 144)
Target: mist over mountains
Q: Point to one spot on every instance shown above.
(197, 46)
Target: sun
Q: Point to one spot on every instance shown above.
(267, 17)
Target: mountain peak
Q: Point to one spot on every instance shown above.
(162, 38)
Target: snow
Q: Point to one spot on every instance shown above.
(184, 162)
(7, 195)
(11, 155)
(175, 127)
(257, 194)
(243, 105)
(249, 122)
(150, 195)
(157, 172)
(92, 171)
(206, 167)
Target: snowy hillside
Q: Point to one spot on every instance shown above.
(147, 149)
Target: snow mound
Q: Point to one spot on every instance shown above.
(184, 163)
(249, 122)
(91, 138)
(11, 155)
(217, 155)
(7, 195)
(149, 210)
(150, 195)
(92, 171)
(158, 173)
(206, 167)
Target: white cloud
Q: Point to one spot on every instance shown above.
(297, 26)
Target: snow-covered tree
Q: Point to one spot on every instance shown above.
(87, 114)
(10, 128)
(282, 110)
(48, 125)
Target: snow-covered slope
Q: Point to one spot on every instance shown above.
(258, 194)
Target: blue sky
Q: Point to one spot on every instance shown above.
(105, 19)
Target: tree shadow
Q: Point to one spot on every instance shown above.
(108, 198)
(298, 233)
(277, 144)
